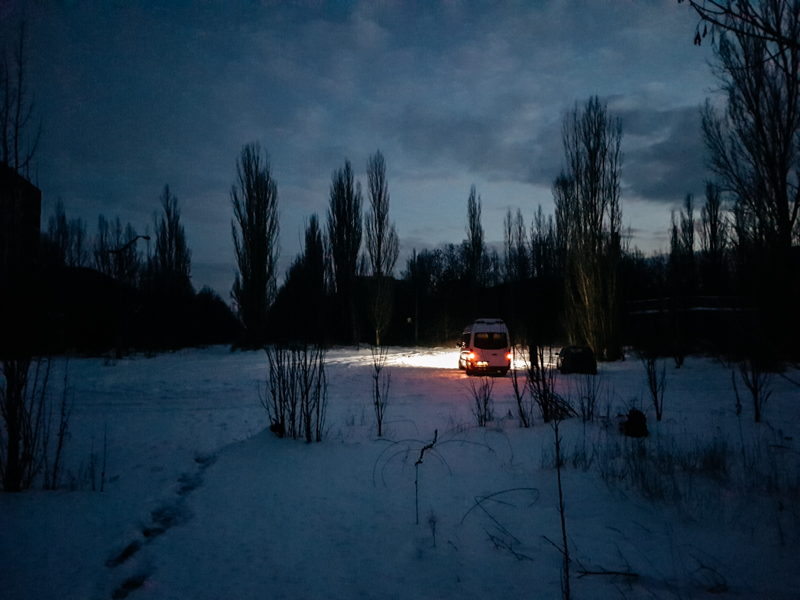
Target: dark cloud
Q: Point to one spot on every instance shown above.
(135, 95)
(667, 158)
(501, 145)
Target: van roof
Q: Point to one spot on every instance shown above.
(486, 325)
(493, 325)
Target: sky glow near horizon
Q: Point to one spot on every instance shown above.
(136, 95)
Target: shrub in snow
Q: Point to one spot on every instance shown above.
(542, 382)
(481, 392)
(589, 389)
(27, 417)
(297, 390)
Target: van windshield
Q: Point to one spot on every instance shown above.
(490, 340)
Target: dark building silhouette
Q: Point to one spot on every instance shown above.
(20, 216)
(20, 222)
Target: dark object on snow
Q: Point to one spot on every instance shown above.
(636, 424)
(577, 359)
(278, 429)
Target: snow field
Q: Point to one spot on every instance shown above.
(201, 501)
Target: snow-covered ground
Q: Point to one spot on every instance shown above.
(202, 501)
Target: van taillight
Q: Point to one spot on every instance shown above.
(471, 355)
(508, 356)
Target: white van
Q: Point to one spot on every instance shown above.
(485, 347)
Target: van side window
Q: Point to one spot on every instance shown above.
(486, 340)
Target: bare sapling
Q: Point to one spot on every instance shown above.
(26, 419)
(738, 406)
(589, 389)
(321, 394)
(483, 407)
(105, 454)
(524, 408)
(282, 384)
(432, 521)
(92, 474)
(565, 549)
(311, 391)
(277, 388)
(416, 471)
(542, 384)
(656, 382)
(62, 430)
(757, 380)
(381, 381)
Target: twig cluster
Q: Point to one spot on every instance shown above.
(525, 401)
(481, 392)
(298, 390)
(542, 385)
(381, 383)
(27, 418)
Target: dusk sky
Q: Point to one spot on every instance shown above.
(136, 95)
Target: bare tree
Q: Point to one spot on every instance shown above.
(382, 246)
(754, 152)
(713, 241)
(474, 247)
(382, 243)
(515, 244)
(754, 148)
(18, 137)
(171, 261)
(588, 219)
(21, 407)
(115, 254)
(344, 238)
(313, 269)
(767, 21)
(681, 257)
(68, 238)
(544, 254)
(713, 225)
(255, 210)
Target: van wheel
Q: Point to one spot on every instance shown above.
(503, 372)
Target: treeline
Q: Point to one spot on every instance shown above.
(566, 278)
(729, 282)
(121, 290)
(570, 278)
